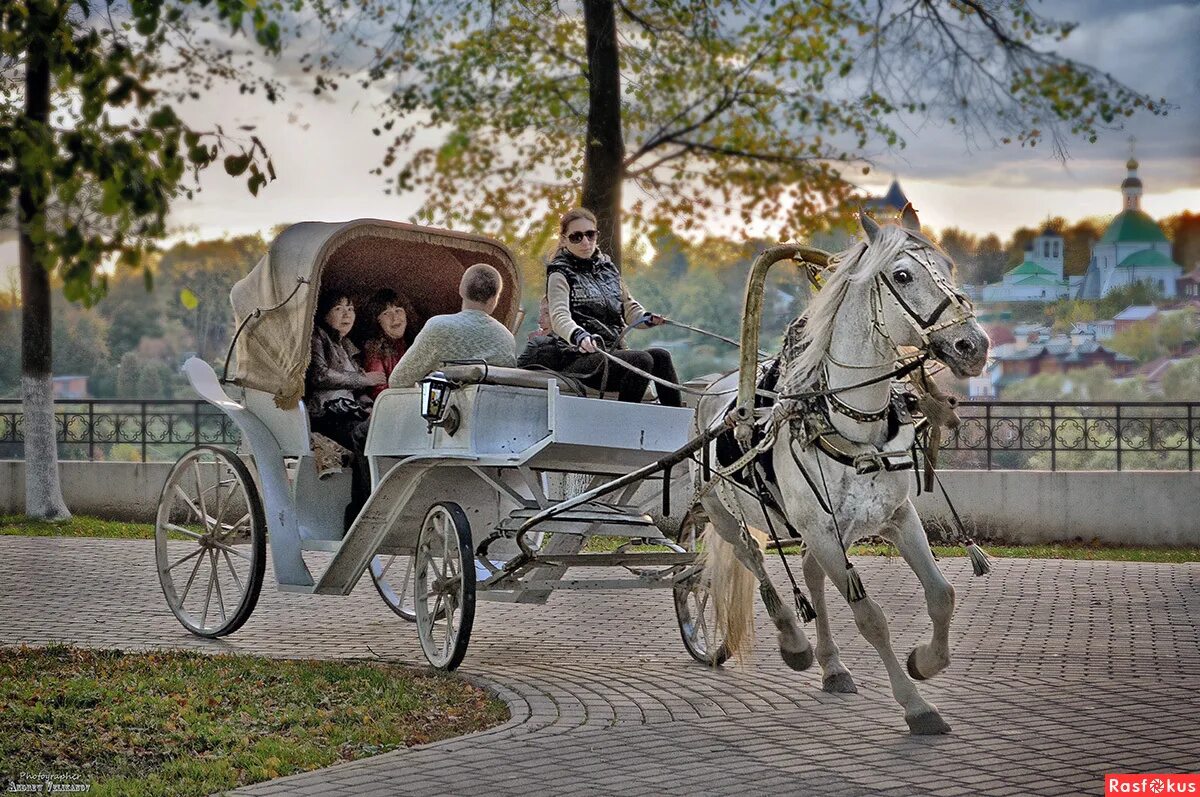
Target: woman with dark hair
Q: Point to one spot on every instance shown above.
(389, 326)
(335, 396)
(589, 308)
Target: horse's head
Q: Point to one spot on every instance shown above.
(918, 304)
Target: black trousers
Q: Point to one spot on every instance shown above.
(351, 432)
(590, 369)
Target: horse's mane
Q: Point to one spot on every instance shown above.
(807, 338)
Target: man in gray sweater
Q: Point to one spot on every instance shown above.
(471, 334)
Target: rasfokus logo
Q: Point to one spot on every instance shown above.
(1153, 783)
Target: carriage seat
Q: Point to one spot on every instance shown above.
(480, 374)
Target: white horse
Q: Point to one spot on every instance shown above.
(837, 458)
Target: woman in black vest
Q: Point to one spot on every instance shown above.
(589, 308)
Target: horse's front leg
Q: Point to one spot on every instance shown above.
(836, 678)
(794, 647)
(908, 534)
(921, 715)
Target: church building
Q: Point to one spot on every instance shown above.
(1039, 278)
(1132, 249)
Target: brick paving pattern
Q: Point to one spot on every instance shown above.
(1062, 671)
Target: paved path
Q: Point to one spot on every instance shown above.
(1063, 671)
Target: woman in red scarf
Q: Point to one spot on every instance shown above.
(390, 326)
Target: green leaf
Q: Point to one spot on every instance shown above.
(236, 164)
(189, 299)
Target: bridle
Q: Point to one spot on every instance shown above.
(923, 325)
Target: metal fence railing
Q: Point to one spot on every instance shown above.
(994, 435)
(134, 430)
(1074, 435)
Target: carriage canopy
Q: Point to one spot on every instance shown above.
(361, 256)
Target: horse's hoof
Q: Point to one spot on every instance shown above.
(839, 683)
(799, 660)
(929, 723)
(912, 666)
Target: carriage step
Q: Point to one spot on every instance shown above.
(618, 559)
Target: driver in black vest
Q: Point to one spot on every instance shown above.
(590, 307)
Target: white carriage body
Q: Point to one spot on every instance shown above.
(500, 476)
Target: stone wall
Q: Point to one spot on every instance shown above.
(1126, 508)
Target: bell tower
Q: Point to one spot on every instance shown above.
(1131, 187)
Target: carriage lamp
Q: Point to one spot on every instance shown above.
(435, 403)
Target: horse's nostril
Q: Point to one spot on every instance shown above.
(964, 346)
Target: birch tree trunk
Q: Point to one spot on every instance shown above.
(43, 493)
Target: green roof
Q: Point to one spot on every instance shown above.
(1036, 280)
(1133, 226)
(1147, 258)
(1030, 268)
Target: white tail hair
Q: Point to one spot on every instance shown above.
(731, 588)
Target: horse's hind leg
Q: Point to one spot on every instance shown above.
(921, 715)
(836, 677)
(908, 534)
(794, 646)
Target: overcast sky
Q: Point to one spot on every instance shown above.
(323, 150)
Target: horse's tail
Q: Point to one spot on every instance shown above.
(731, 588)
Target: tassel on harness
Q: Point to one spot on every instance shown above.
(980, 562)
(855, 591)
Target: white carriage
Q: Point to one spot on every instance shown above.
(485, 484)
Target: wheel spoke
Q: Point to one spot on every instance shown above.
(216, 578)
(232, 572)
(200, 495)
(207, 602)
(191, 578)
(182, 530)
(230, 549)
(218, 511)
(383, 571)
(187, 499)
(408, 573)
(184, 558)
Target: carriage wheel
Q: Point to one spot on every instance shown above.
(444, 585)
(210, 541)
(393, 578)
(696, 611)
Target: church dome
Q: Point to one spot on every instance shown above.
(1131, 182)
(1132, 226)
(1131, 164)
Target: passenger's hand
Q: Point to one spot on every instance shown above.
(654, 320)
(587, 345)
(375, 378)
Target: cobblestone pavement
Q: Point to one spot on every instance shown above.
(1063, 671)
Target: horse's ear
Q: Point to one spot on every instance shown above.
(869, 225)
(908, 218)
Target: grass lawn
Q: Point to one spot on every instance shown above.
(179, 723)
(77, 526)
(91, 527)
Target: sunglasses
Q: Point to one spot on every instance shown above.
(578, 236)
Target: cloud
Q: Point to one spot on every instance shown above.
(1152, 49)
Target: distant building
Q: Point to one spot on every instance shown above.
(1189, 284)
(70, 387)
(1037, 351)
(1103, 329)
(1039, 278)
(1134, 314)
(1132, 249)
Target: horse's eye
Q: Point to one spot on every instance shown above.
(902, 276)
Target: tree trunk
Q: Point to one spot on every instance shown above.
(43, 493)
(604, 155)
